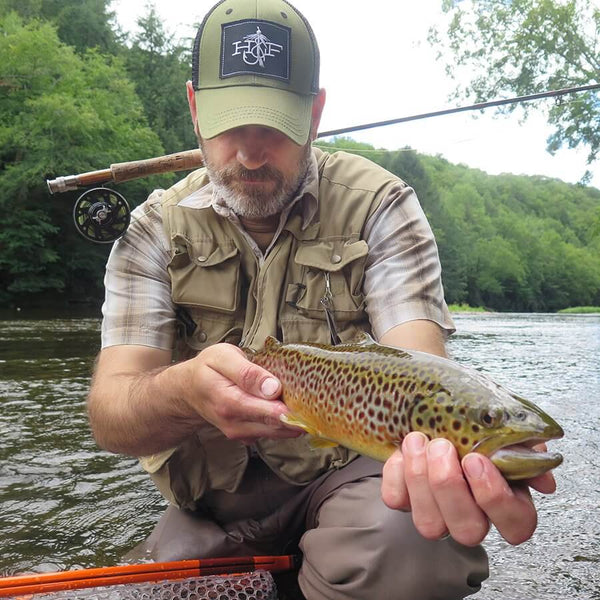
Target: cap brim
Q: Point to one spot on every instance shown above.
(221, 109)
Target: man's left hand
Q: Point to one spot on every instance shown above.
(447, 496)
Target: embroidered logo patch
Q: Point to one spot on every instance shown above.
(255, 47)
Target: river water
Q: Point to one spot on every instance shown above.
(65, 504)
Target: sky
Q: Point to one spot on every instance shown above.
(376, 64)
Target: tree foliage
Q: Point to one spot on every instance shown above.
(519, 47)
(60, 113)
(506, 242)
(82, 24)
(77, 99)
(159, 67)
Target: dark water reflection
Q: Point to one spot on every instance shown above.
(65, 504)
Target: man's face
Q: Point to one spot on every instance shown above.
(256, 170)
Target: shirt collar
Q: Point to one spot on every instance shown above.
(308, 196)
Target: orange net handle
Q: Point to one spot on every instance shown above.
(21, 585)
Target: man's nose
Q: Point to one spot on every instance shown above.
(253, 142)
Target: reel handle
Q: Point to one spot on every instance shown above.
(125, 171)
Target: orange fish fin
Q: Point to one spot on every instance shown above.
(319, 442)
(290, 419)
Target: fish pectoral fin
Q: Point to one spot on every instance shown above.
(295, 422)
(319, 442)
(316, 440)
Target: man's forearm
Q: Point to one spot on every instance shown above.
(140, 413)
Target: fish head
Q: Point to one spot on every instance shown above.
(478, 415)
(510, 430)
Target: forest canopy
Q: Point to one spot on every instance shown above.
(78, 100)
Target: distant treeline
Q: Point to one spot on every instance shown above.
(506, 242)
(76, 95)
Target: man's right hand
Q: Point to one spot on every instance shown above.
(141, 404)
(235, 395)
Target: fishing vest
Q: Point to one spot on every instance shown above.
(228, 296)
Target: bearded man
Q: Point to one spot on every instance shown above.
(246, 248)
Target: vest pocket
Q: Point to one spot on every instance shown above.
(206, 277)
(206, 281)
(343, 262)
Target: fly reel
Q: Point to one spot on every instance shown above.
(101, 215)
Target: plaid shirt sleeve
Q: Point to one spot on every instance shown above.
(403, 272)
(138, 308)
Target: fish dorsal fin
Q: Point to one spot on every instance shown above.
(271, 342)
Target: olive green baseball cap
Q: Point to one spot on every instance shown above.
(255, 62)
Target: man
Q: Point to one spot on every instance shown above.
(248, 248)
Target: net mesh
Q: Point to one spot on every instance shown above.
(258, 585)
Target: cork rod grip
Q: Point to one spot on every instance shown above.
(125, 171)
(180, 161)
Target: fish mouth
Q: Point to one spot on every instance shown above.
(514, 455)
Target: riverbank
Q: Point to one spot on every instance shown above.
(466, 308)
(581, 310)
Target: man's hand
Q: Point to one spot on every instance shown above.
(460, 499)
(235, 395)
(141, 404)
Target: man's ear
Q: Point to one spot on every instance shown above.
(317, 111)
(191, 96)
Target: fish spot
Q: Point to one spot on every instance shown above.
(456, 425)
(464, 441)
(449, 409)
(419, 422)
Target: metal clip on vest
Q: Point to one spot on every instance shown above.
(327, 304)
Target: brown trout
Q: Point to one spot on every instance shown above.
(367, 397)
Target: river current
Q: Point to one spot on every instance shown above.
(66, 504)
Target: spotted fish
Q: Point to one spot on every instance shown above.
(367, 397)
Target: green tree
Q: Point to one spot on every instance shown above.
(159, 68)
(80, 23)
(518, 47)
(60, 113)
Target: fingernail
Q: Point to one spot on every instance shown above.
(473, 465)
(416, 442)
(438, 448)
(269, 386)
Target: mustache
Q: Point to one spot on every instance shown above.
(238, 173)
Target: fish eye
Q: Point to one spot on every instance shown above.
(520, 416)
(490, 418)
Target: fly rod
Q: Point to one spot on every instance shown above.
(102, 215)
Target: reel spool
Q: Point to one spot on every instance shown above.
(101, 215)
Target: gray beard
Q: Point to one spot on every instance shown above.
(256, 203)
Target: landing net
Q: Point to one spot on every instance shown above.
(258, 585)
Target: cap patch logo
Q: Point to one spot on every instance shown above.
(255, 47)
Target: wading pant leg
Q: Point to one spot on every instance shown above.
(360, 549)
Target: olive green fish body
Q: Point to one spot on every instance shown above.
(368, 397)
